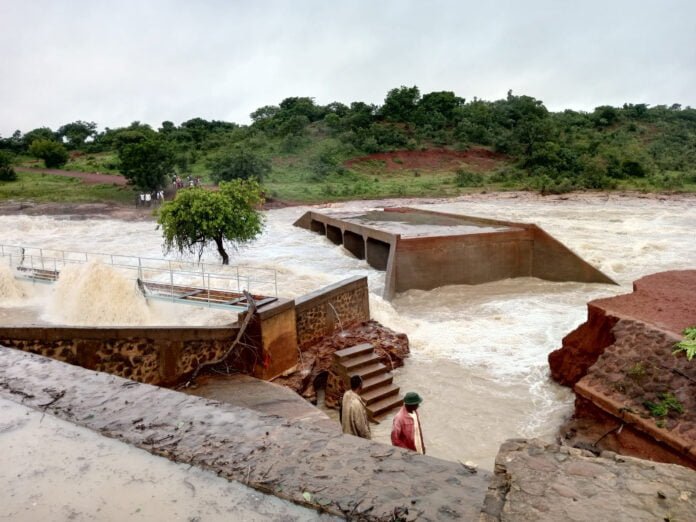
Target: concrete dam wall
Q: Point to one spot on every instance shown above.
(166, 356)
(425, 250)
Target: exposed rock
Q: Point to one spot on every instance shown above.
(316, 360)
(536, 481)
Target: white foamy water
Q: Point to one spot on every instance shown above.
(478, 352)
(10, 288)
(95, 293)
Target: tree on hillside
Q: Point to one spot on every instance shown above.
(7, 172)
(145, 160)
(42, 133)
(239, 164)
(438, 108)
(198, 217)
(401, 104)
(77, 132)
(52, 153)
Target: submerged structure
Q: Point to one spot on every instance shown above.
(424, 249)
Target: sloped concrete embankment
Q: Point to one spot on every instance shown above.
(621, 360)
(312, 466)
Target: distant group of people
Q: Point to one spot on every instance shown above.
(406, 427)
(145, 199)
(190, 182)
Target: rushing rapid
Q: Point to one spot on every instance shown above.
(478, 352)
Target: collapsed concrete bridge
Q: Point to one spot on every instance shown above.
(424, 249)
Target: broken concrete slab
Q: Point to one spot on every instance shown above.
(537, 481)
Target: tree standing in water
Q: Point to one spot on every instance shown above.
(198, 217)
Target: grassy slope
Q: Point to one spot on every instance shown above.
(48, 188)
(292, 177)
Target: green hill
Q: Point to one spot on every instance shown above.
(437, 144)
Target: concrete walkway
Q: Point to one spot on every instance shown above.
(312, 465)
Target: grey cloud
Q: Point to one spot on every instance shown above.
(115, 62)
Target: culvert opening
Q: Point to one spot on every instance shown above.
(354, 243)
(377, 253)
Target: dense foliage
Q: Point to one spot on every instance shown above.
(688, 345)
(633, 146)
(51, 152)
(7, 172)
(198, 217)
(238, 164)
(145, 159)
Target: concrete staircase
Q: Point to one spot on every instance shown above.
(379, 393)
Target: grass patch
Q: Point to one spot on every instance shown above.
(103, 162)
(665, 404)
(49, 188)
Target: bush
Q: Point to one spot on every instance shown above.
(327, 162)
(7, 172)
(464, 178)
(239, 164)
(52, 153)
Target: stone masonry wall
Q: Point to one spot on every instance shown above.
(156, 356)
(336, 306)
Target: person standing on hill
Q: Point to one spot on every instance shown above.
(406, 428)
(354, 412)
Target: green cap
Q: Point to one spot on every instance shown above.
(412, 399)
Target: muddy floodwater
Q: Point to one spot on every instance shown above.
(478, 352)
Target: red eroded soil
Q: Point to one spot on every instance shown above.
(477, 158)
(666, 300)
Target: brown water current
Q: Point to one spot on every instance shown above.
(478, 352)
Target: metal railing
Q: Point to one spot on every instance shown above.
(44, 265)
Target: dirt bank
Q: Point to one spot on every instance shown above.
(620, 362)
(476, 158)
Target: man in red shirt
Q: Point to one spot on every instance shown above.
(406, 429)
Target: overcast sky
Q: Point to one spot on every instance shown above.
(114, 62)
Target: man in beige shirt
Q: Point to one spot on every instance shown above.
(354, 412)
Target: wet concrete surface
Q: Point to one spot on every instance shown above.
(262, 396)
(413, 223)
(309, 465)
(54, 470)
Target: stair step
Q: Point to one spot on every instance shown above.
(356, 362)
(369, 371)
(385, 405)
(354, 350)
(379, 394)
(377, 381)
